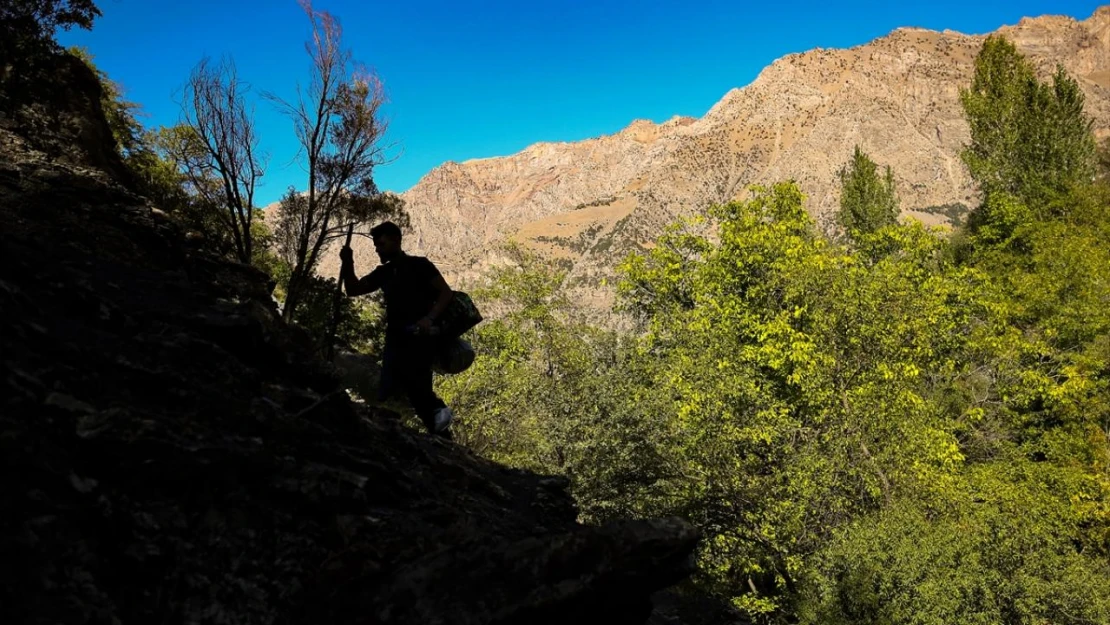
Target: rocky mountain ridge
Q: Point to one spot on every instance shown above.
(585, 204)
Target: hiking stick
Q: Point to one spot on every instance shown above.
(337, 302)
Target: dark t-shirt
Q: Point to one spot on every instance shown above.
(407, 283)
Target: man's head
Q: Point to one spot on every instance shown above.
(387, 240)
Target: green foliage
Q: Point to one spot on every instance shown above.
(29, 54)
(1000, 552)
(522, 402)
(861, 433)
(868, 201)
(799, 374)
(361, 324)
(264, 258)
(49, 15)
(157, 174)
(1030, 140)
(28, 26)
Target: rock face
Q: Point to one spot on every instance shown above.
(585, 204)
(53, 102)
(174, 454)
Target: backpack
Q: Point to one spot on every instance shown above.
(454, 356)
(459, 316)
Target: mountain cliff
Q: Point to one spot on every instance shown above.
(585, 204)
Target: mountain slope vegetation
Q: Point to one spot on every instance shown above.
(903, 425)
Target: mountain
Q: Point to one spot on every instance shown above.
(585, 204)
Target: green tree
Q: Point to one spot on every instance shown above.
(522, 402)
(29, 55)
(338, 123)
(159, 175)
(816, 388)
(27, 27)
(46, 16)
(1000, 551)
(799, 378)
(359, 326)
(868, 201)
(1029, 139)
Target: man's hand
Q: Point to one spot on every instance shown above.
(347, 255)
(424, 325)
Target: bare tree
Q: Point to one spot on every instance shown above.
(220, 157)
(339, 125)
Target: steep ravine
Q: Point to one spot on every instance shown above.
(172, 452)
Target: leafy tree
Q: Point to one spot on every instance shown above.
(338, 123)
(525, 375)
(28, 49)
(159, 176)
(1030, 140)
(28, 25)
(521, 402)
(173, 182)
(1041, 231)
(1000, 551)
(818, 387)
(360, 325)
(798, 377)
(868, 201)
(49, 15)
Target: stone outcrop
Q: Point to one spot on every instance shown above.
(174, 453)
(53, 102)
(585, 204)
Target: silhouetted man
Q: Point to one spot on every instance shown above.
(415, 296)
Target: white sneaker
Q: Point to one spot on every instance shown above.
(443, 418)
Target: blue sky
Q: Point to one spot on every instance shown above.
(476, 79)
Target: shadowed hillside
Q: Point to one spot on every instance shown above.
(175, 454)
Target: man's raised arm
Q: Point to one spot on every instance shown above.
(351, 284)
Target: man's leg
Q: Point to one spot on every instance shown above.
(418, 354)
(389, 382)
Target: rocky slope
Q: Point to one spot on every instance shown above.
(587, 203)
(173, 453)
